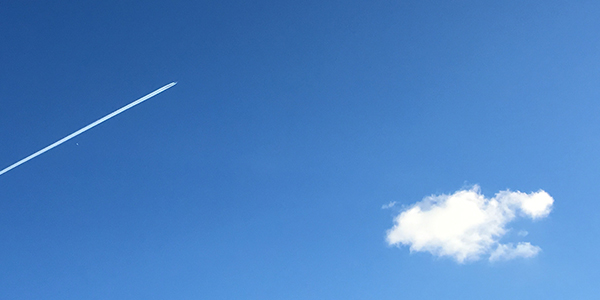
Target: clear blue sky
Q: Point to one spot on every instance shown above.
(262, 174)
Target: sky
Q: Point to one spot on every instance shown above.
(310, 150)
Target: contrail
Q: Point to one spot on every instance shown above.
(86, 128)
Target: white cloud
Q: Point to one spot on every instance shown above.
(466, 225)
(389, 205)
(523, 233)
(508, 251)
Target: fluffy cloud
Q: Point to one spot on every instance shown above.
(508, 251)
(466, 225)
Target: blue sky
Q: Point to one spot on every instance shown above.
(263, 173)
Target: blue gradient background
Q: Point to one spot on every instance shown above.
(261, 175)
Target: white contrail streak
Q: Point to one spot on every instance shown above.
(86, 128)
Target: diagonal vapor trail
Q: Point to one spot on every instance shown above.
(86, 128)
